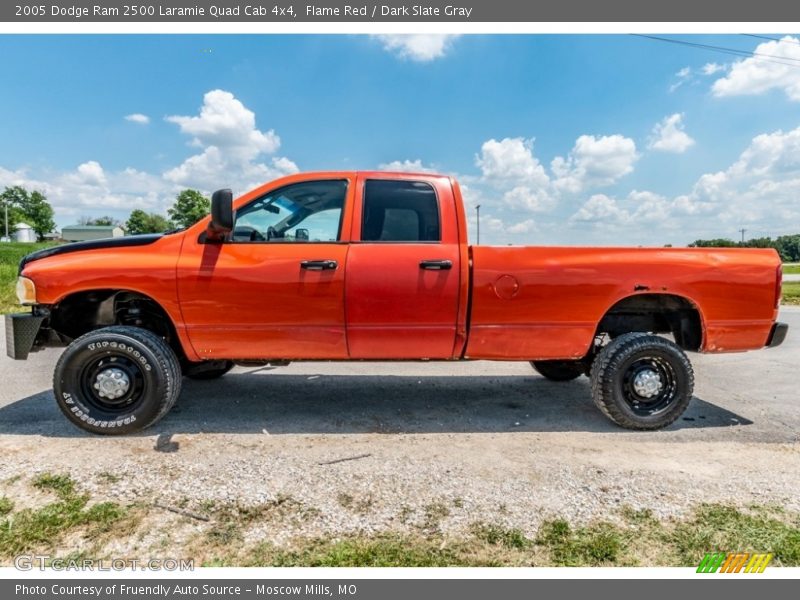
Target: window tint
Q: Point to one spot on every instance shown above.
(399, 211)
(304, 212)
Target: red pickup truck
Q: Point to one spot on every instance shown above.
(376, 266)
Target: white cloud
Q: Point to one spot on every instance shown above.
(511, 160)
(684, 75)
(711, 68)
(601, 208)
(669, 135)
(232, 145)
(594, 162)
(421, 47)
(754, 75)
(526, 226)
(406, 166)
(138, 118)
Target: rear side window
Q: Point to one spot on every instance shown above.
(400, 211)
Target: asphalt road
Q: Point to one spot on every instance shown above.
(511, 444)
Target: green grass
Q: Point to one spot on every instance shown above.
(629, 538)
(10, 255)
(791, 292)
(44, 527)
(791, 269)
(640, 539)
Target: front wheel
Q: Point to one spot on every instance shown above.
(642, 381)
(117, 380)
(559, 370)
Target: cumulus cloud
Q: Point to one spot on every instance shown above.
(681, 77)
(777, 69)
(711, 68)
(760, 188)
(669, 135)
(138, 118)
(231, 151)
(421, 47)
(406, 166)
(511, 160)
(232, 146)
(594, 162)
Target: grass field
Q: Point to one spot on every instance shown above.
(791, 292)
(791, 269)
(67, 517)
(10, 255)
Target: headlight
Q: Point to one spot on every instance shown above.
(26, 291)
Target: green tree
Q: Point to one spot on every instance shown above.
(105, 221)
(190, 206)
(31, 207)
(144, 222)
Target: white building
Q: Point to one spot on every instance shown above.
(81, 233)
(24, 233)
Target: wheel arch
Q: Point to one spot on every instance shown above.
(83, 311)
(657, 312)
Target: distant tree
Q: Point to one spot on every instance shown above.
(144, 222)
(715, 243)
(190, 206)
(31, 207)
(788, 246)
(105, 221)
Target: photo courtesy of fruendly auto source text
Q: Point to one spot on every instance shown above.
(382, 300)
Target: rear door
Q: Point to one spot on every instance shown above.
(403, 272)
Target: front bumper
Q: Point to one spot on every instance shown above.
(21, 332)
(777, 334)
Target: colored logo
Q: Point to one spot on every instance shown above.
(734, 562)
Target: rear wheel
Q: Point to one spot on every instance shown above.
(117, 380)
(642, 381)
(559, 370)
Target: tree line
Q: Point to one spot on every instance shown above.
(788, 246)
(33, 208)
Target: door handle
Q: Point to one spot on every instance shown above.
(318, 265)
(436, 265)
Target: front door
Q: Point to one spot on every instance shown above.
(275, 289)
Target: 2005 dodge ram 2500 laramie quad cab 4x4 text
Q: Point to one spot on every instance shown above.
(376, 266)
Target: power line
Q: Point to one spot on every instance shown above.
(723, 50)
(774, 39)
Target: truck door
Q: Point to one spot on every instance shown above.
(403, 269)
(275, 289)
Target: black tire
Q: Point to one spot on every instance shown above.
(559, 370)
(206, 374)
(625, 368)
(146, 363)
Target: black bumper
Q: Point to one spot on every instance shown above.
(777, 334)
(21, 332)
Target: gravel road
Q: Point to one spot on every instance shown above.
(452, 442)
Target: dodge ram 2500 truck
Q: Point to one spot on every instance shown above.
(376, 266)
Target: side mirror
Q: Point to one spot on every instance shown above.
(221, 222)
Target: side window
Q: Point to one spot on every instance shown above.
(399, 211)
(304, 212)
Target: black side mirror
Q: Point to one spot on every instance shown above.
(221, 223)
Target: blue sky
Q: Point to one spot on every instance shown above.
(568, 139)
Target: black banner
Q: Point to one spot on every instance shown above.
(456, 11)
(732, 588)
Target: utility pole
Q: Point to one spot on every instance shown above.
(5, 205)
(742, 232)
(478, 211)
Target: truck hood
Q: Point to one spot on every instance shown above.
(120, 242)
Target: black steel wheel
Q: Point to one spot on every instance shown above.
(117, 380)
(642, 381)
